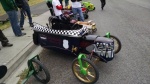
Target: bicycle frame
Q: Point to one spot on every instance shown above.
(31, 69)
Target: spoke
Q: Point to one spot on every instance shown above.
(91, 75)
(87, 78)
(78, 65)
(88, 66)
(77, 70)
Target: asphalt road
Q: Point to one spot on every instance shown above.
(129, 20)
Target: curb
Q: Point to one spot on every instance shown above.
(13, 64)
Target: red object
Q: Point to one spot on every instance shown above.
(59, 7)
(83, 9)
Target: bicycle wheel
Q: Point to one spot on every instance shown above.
(41, 72)
(92, 72)
(117, 43)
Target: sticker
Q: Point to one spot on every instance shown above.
(65, 44)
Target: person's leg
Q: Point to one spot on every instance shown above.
(29, 15)
(103, 2)
(74, 10)
(6, 44)
(80, 14)
(61, 2)
(50, 6)
(22, 19)
(4, 40)
(3, 37)
(66, 2)
(13, 17)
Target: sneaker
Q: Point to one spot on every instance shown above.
(102, 8)
(31, 25)
(21, 34)
(7, 44)
(21, 28)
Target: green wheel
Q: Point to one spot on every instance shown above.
(41, 72)
(92, 72)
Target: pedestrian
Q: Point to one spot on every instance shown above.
(66, 2)
(76, 9)
(11, 9)
(61, 2)
(4, 40)
(57, 7)
(24, 10)
(50, 6)
(103, 2)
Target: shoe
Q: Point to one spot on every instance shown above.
(7, 45)
(31, 25)
(102, 8)
(21, 28)
(21, 34)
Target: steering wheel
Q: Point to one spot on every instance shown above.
(75, 26)
(50, 21)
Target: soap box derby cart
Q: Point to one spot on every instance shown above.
(88, 5)
(78, 42)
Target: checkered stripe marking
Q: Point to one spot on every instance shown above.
(82, 31)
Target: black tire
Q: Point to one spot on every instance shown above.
(40, 67)
(116, 42)
(78, 76)
(94, 8)
(86, 16)
(35, 38)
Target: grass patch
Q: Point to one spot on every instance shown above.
(5, 25)
(33, 2)
(2, 12)
(22, 75)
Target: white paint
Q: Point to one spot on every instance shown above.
(65, 44)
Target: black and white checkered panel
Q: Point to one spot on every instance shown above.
(80, 32)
